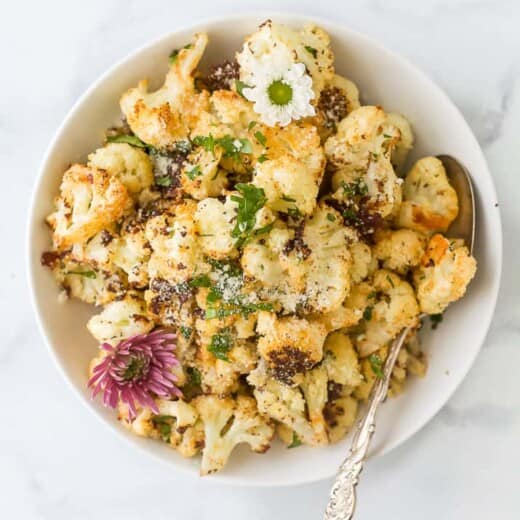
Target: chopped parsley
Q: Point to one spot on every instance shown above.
(186, 331)
(240, 86)
(260, 137)
(262, 158)
(192, 387)
(390, 281)
(294, 212)
(206, 141)
(200, 281)
(245, 309)
(251, 125)
(163, 181)
(220, 345)
(265, 229)
(128, 139)
(252, 200)
(357, 187)
(435, 320)
(331, 217)
(231, 146)
(172, 58)
(312, 51)
(287, 198)
(295, 441)
(376, 364)
(367, 313)
(194, 172)
(163, 424)
(86, 274)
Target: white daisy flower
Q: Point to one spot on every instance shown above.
(281, 95)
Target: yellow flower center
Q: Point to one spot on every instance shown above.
(279, 93)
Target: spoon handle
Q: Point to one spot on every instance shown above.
(342, 499)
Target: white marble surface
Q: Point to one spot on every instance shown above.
(57, 462)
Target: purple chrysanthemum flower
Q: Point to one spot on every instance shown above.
(136, 370)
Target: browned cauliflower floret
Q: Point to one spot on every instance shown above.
(399, 250)
(176, 255)
(292, 173)
(290, 345)
(120, 320)
(341, 360)
(429, 202)
(170, 113)
(284, 404)
(90, 200)
(129, 164)
(227, 423)
(314, 388)
(394, 308)
(443, 275)
(405, 143)
(340, 415)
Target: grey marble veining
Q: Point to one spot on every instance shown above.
(57, 462)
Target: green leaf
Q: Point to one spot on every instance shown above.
(220, 345)
(163, 181)
(214, 295)
(331, 217)
(287, 199)
(87, 274)
(252, 200)
(435, 320)
(186, 331)
(367, 313)
(207, 142)
(311, 50)
(200, 281)
(376, 364)
(262, 158)
(264, 229)
(163, 424)
(194, 172)
(128, 139)
(251, 125)
(261, 138)
(240, 86)
(295, 441)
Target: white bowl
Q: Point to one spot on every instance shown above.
(383, 78)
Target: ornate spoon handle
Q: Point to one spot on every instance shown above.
(342, 499)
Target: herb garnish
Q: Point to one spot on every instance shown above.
(240, 86)
(249, 203)
(357, 187)
(262, 158)
(295, 441)
(367, 313)
(331, 217)
(163, 423)
(261, 138)
(311, 50)
(376, 364)
(220, 345)
(435, 319)
(231, 146)
(194, 172)
(163, 181)
(86, 274)
(200, 281)
(128, 139)
(287, 198)
(186, 331)
(172, 58)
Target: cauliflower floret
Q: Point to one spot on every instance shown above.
(314, 388)
(201, 176)
(340, 415)
(129, 164)
(179, 425)
(339, 97)
(215, 221)
(404, 144)
(289, 345)
(169, 114)
(350, 312)
(120, 320)
(131, 252)
(285, 46)
(363, 262)
(282, 403)
(399, 250)
(394, 309)
(233, 111)
(227, 423)
(443, 275)
(341, 360)
(176, 253)
(328, 265)
(90, 200)
(363, 135)
(292, 174)
(430, 203)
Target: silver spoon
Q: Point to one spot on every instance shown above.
(342, 499)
